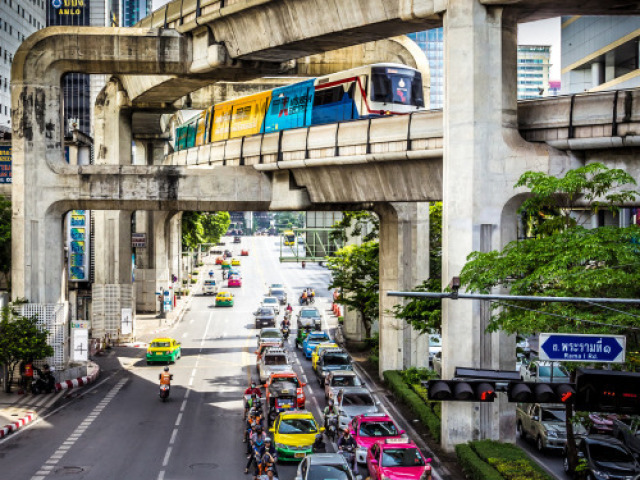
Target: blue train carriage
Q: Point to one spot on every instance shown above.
(370, 91)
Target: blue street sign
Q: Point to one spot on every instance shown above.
(566, 347)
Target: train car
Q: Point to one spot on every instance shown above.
(363, 92)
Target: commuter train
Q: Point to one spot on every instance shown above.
(364, 92)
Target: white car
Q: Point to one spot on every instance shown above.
(435, 346)
(271, 302)
(540, 371)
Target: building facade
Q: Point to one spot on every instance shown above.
(133, 11)
(431, 42)
(600, 53)
(18, 20)
(533, 71)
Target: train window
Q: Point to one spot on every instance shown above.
(398, 85)
(328, 95)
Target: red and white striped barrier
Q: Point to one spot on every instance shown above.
(78, 382)
(12, 427)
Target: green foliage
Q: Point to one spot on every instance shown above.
(288, 220)
(509, 460)
(5, 238)
(396, 383)
(474, 467)
(593, 184)
(354, 224)
(355, 270)
(20, 339)
(203, 227)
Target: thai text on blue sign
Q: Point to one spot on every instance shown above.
(78, 222)
(567, 347)
(5, 164)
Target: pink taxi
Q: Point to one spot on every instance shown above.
(370, 428)
(397, 459)
(234, 281)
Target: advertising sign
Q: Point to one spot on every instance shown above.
(78, 222)
(567, 347)
(139, 240)
(167, 301)
(5, 164)
(126, 324)
(79, 344)
(68, 7)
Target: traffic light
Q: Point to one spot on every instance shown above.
(607, 391)
(538, 392)
(461, 390)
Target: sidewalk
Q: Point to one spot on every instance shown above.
(20, 409)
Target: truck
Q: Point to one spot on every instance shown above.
(210, 287)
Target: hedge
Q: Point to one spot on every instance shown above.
(396, 383)
(510, 460)
(474, 467)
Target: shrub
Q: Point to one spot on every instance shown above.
(474, 467)
(509, 460)
(184, 281)
(195, 272)
(398, 386)
(194, 280)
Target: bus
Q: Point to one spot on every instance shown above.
(289, 237)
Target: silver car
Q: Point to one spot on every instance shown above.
(270, 335)
(355, 401)
(340, 379)
(325, 465)
(273, 360)
(271, 302)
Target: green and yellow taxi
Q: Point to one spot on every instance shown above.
(163, 350)
(318, 351)
(294, 434)
(224, 299)
(235, 262)
(226, 264)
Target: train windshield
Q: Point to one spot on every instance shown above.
(396, 85)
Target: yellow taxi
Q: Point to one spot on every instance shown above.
(318, 350)
(294, 434)
(235, 262)
(224, 299)
(163, 350)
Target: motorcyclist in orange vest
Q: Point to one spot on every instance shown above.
(166, 377)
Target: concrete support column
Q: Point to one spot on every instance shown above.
(597, 74)
(175, 247)
(610, 66)
(404, 263)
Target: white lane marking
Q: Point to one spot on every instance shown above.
(165, 462)
(161, 475)
(178, 420)
(62, 450)
(173, 436)
(183, 406)
(184, 335)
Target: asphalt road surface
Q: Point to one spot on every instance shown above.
(119, 429)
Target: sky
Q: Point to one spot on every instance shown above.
(544, 32)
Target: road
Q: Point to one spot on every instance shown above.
(119, 429)
(551, 460)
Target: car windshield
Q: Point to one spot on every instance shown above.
(336, 359)
(277, 292)
(209, 282)
(270, 334)
(345, 381)
(545, 371)
(160, 344)
(319, 338)
(309, 313)
(608, 453)
(357, 399)
(276, 285)
(378, 429)
(270, 300)
(275, 360)
(297, 425)
(265, 311)
(553, 415)
(328, 472)
(402, 457)
(284, 380)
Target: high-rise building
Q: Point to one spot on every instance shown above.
(600, 53)
(533, 71)
(133, 11)
(431, 42)
(18, 20)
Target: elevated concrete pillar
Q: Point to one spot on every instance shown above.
(484, 156)
(404, 263)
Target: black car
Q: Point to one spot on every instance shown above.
(237, 240)
(265, 317)
(330, 360)
(280, 294)
(606, 458)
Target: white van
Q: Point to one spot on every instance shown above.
(210, 287)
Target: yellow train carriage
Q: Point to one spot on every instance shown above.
(240, 117)
(202, 127)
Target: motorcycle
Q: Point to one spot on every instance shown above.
(164, 392)
(349, 454)
(331, 429)
(303, 300)
(285, 333)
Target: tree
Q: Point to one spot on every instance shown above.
(566, 259)
(215, 225)
(21, 339)
(203, 227)
(5, 239)
(355, 270)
